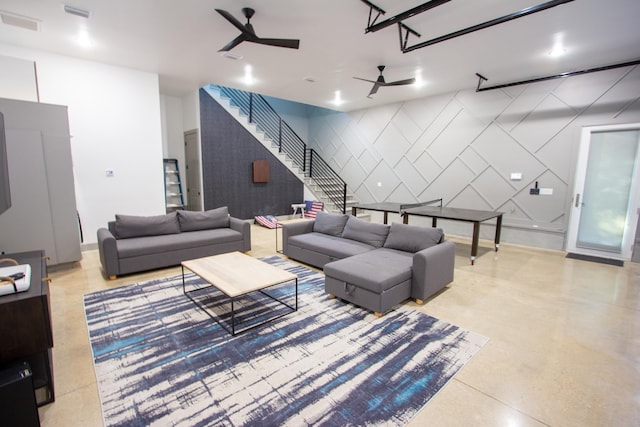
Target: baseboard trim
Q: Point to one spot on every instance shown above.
(590, 258)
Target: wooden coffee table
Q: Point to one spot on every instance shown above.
(235, 275)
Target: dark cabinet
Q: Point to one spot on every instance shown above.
(25, 326)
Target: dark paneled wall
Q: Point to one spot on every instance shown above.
(228, 151)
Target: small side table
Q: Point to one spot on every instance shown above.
(298, 207)
(287, 221)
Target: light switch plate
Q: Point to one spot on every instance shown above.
(546, 191)
(516, 176)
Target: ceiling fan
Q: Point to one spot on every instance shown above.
(248, 34)
(380, 82)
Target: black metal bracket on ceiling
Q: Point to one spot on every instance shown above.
(496, 21)
(405, 39)
(373, 27)
(403, 30)
(482, 78)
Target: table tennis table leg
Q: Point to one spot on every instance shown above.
(498, 228)
(474, 241)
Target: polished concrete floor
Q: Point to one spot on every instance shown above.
(563, 350)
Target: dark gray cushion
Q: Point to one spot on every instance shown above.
(376, 270)
(137, 226)
(412, 238)
(331, 224)
(207, 220)
(333, 246)
(371, 233)
(174, 243)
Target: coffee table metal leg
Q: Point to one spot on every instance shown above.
(233, 318)
(184, 290)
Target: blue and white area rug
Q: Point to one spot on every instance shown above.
(160, 360)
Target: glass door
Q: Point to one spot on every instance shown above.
(606, 201)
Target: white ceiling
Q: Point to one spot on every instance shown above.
(179, 41)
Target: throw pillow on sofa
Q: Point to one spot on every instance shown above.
(367, 232)
(213, 218)
(331, 224)
(128, 226)
(412, 238)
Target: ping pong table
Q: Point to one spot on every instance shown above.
(439, 212)
(393, 207)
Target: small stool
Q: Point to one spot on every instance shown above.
(296, 206)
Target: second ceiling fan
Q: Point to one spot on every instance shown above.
(380, 82)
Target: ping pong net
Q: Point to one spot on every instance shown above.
(403, 207)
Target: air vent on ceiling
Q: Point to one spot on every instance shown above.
(231, 55)
(76, 11)
(25, 22)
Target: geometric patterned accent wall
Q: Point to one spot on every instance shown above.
(463, 146)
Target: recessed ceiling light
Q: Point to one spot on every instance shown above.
(337, 99)
(83, 38)
(419, 80)
(248, 75)
(72, 10)
(558, 48)
(557, 51)
(15, 20)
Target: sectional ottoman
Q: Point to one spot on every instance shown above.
(375, 266)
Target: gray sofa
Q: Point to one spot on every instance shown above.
(375, 266)
(138, 243)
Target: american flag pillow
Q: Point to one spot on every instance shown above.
(312, 208)
(268, 221)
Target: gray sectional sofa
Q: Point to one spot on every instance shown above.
(375, 266)
(138, 243)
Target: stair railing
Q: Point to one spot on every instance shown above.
(261, 113)
(328, 180)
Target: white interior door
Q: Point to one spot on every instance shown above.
(606, 202)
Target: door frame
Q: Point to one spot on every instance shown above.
(194, 169)
(633, 210)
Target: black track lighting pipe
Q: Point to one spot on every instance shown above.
(555, 76)
(501, 20)
(404, 15)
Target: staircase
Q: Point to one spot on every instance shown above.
(254, 113)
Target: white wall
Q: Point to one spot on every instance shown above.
(295, 114)
(18, 79)
(191, 111)
(115, 124)
(173, 131)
